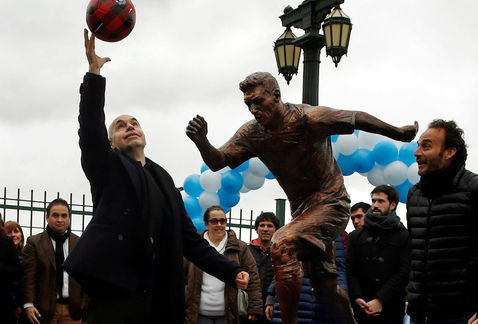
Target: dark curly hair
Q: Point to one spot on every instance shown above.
(453, 138)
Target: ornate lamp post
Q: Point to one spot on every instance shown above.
(309, 16)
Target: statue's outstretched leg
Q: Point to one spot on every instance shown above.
(310, 238)
(328, 293)
(288, 276)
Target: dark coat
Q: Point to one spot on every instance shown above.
(109, 249)
(264, 266)
(235, 250)
(39, 283)
(378, 265)
(10, 272)
(444, 233)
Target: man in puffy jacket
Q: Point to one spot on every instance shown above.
(442, 215)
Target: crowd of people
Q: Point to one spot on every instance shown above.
(140, 260)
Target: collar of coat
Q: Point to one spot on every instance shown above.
(232, 241)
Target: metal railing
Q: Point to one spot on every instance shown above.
(28, 209)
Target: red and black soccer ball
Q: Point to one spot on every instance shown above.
(111, 20)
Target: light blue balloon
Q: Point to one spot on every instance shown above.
(346, 163)
(406, 153)
(231, 181)
(243, 167)
(356, 132)
(192, 185)
(334, 138)
(363, 160)
(198, 222)
(403, 190)
(204, 167)
(228, 199)
(385, 152)
(192, 206)
(270, 176)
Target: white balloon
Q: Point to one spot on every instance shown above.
(368, 140)
(208, 199)
(395, 173)
(347, 144)
(375, 176)
(251, 181)
(244, 189)
(257, 167)
(210, 181)
(224, 169)
(412, 173)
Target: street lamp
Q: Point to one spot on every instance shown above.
(309, 16)
(337, 29)
(287, 54)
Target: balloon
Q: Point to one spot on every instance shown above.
(243, 167)
(192, 185)
(385, 152)
(363, 160)
(251, 181)
(110, 20)
(208, 199)
(375, 176)
(244, 189)
(412, 173)
(403, 190)
(369, 140)
(270, 176)
(395, 173)
(347, 144)
(334, 138)
(231, 181)
(199, 223)
(406, 153)
(227, 198)
(346, 163)
(192, 206)
(257, 167)
(204, 167)
(210, 181)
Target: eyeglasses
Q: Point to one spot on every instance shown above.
(215, 221)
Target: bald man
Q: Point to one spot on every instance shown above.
(130, 258)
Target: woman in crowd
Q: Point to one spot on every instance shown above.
(10, 271)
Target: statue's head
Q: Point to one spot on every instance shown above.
(262, 97)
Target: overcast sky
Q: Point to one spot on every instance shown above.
(408, 60)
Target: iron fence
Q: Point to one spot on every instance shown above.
(28, 209)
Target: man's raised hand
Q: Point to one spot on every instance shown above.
(95, 62)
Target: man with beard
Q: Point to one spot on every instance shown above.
(442, 218)
(378, 262)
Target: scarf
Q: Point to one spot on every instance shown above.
(435, 182)
(379, 222)
(59, 256)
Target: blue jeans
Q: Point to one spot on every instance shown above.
(412, 321)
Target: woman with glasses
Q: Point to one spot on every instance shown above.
(210, 301)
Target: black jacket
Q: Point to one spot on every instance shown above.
(443, 228)
(109, 249)
(378, 264)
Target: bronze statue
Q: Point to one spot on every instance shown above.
(294, 142)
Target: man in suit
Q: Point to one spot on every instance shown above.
(130, 257)
(49, 294)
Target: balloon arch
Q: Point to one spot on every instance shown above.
(380, 159)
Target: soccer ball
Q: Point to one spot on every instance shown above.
(110, 20)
